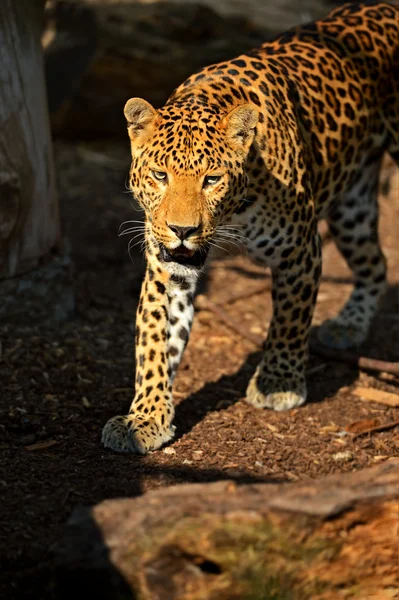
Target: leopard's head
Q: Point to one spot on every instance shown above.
(188, 172)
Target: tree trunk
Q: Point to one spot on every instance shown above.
(331, 539)
(29, 215)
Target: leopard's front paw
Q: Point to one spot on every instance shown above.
(278, 394)
(340, 336)
(136, 433)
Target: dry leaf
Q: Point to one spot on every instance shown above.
(41, 445)
(361, 426)
(374, 395)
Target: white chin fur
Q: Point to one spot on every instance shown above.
(179, 270)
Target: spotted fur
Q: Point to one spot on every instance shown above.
(266, 143)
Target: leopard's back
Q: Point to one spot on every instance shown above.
(344, 76)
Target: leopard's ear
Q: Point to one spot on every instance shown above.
(139, 115)
(240, 125)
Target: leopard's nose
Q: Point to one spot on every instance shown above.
(183, 232)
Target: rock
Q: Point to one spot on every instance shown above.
(227, 542)
(135, 50)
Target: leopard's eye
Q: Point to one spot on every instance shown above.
(211, 179)
(160, 176)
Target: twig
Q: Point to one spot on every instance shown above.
(384, 427)
(362, 362)
(248, 294)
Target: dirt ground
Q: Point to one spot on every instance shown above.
(60, 386)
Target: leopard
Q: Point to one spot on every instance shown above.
(260, 148)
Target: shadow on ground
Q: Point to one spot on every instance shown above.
(378, 346)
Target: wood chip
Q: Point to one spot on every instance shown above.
(272, 428)
(343, 456)
(339, 441)
(41, 445)
(374, 395)
(331, 428)
(169, 450)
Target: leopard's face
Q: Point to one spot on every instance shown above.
(187, 174)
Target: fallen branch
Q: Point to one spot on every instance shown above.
(41, 445)
(384, 427)
(361, 362)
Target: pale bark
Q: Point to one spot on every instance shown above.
(34, 269)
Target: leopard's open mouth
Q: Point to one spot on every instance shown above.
(185, 256)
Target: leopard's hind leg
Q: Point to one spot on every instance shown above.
(353, 222)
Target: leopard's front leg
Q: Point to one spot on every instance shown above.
(279, 381)
(163, 324)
